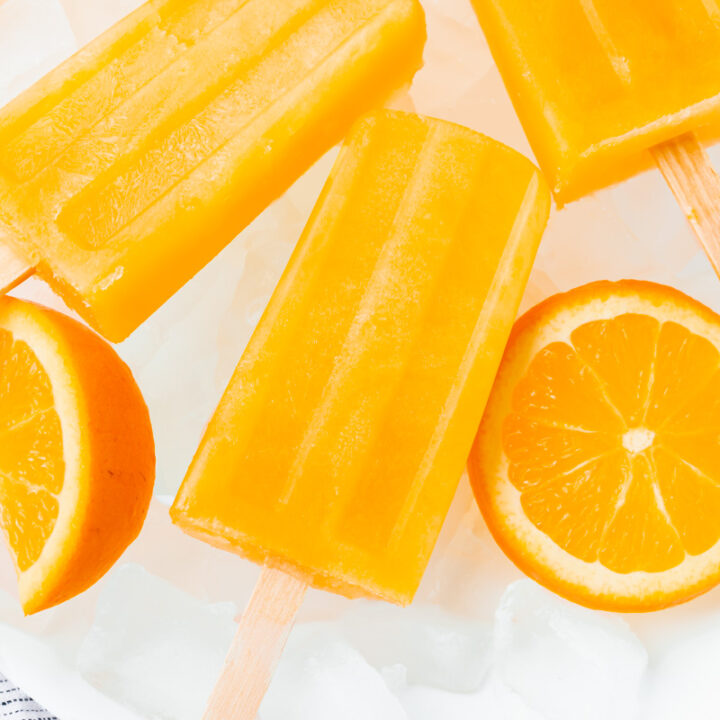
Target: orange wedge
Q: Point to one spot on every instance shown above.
(597, 464)
(77, 457)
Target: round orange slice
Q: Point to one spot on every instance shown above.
(77, 458)
(597, 464)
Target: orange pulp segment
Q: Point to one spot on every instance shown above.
(32, 465)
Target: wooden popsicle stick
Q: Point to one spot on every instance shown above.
(13, 269)
(696, 186)
(256, 649)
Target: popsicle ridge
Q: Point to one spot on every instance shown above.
(146, 53)
(528, 217)
(404, 480)
(336, 318)
(620, 64)
(136, 181)
(713, 10)
(408, 299)
(112, 107)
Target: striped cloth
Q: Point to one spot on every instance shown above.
(15, 704)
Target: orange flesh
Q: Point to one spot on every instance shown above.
(597, 82)
(340, 440)
(137, 160)
(32, 467)
(612, 442)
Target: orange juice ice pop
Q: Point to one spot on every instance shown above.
(124, 171)
(597, 82)
(337, 447)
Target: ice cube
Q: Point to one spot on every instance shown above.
(35, 35)
(184, 335)
(155, 648)
(89, 19)
(684, 683)
(321, 677)
(698, 279)
(459, 81)
(422, 703)
(456, 48)
(608, 250)
(647, 208)
(434, 647)
(468, 573)
(565, 661)
(43, 674)
(495, 701)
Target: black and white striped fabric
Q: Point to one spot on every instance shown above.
(15, 704)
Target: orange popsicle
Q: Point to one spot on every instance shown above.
(598, 82)
(337, 447)
(125, 170)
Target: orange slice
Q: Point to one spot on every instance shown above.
(597, 464)
(77, 456)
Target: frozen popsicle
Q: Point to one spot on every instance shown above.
(597, 83)
(125, 170)
(338, 445)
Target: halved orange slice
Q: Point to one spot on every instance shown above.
(597, 464)
(77, 458)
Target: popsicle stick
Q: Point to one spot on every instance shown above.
(696, 186)
(13, 269)
(256, 649)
